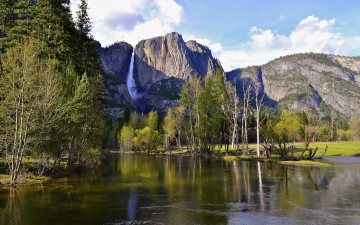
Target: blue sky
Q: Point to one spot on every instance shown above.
(239, 32)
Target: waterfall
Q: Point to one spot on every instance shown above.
(130, 80)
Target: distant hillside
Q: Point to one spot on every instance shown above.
(316, 83)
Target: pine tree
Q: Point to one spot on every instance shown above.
(87, 58)
(24, 13)
(7, 18)
(52, 25)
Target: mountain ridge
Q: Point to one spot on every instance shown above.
(303, 81)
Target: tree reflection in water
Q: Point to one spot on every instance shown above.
(132, 188)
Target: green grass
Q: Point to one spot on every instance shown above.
(23, 179)
(341, 148)
(305, 163)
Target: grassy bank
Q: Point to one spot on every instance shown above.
(305, 163)
(23, 179)
(30, 171)
(341, 148)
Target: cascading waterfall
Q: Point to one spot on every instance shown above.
(130, 80)
(136, 94)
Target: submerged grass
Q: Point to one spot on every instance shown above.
(29, 172)
(23, 179)
(305, 163)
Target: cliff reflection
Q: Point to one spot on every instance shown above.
(177, 189)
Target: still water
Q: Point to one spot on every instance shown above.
(140, 189)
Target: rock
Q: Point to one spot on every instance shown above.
(165, 57)
(115, 62)
(115, 59)
(307, 82)
(303, 81)
(169, 56)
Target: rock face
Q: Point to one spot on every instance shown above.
(161, 58)
(169, 56)
(115, 61)
(307, 82)
(353, 63)
(316, 83)
(161, 65)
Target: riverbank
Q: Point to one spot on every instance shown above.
(341, 148)
(276, 160)
(238, 157)
(334, 149)
(33, 175)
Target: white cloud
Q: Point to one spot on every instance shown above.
(282, 17)
(263, 39)
(310, 35)
(132, 21)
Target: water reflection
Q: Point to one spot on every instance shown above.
(132, 205)
(180, 190)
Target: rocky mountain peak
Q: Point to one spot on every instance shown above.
(197, 47)
(115, 59)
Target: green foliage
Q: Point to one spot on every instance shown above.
(126, 137)
(61, 81)
(7, 19)
(152, 120)
(134, 118)
(355, 129)
(325, 131)
(288, 128)
(203, 100)
(146, 139)
(282, 130)
(169, 127)
(343, 124)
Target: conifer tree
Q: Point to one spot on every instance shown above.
(7, 18)
(24, 13)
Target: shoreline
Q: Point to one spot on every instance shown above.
(31, 179)
(236, 158)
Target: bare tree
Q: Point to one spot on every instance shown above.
(332, 125)
(231, 111)
(23, 81)
(245, 116)
(179, 113)
(259, 104)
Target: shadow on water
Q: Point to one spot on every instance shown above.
(131, 188)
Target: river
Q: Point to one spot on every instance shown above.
(141, 189)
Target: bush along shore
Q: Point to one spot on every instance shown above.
(345, 148)
(35, 170)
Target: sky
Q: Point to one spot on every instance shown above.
(239, 33)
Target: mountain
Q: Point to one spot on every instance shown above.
(316, 83)
(161, 65)
(115, 62)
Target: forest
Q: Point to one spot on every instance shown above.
(211, 117)
(52, 105)
(51, 91)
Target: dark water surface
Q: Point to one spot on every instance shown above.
(140, 189)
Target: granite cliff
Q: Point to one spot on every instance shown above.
(163, 63)
(312, 82)
(115, 61)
